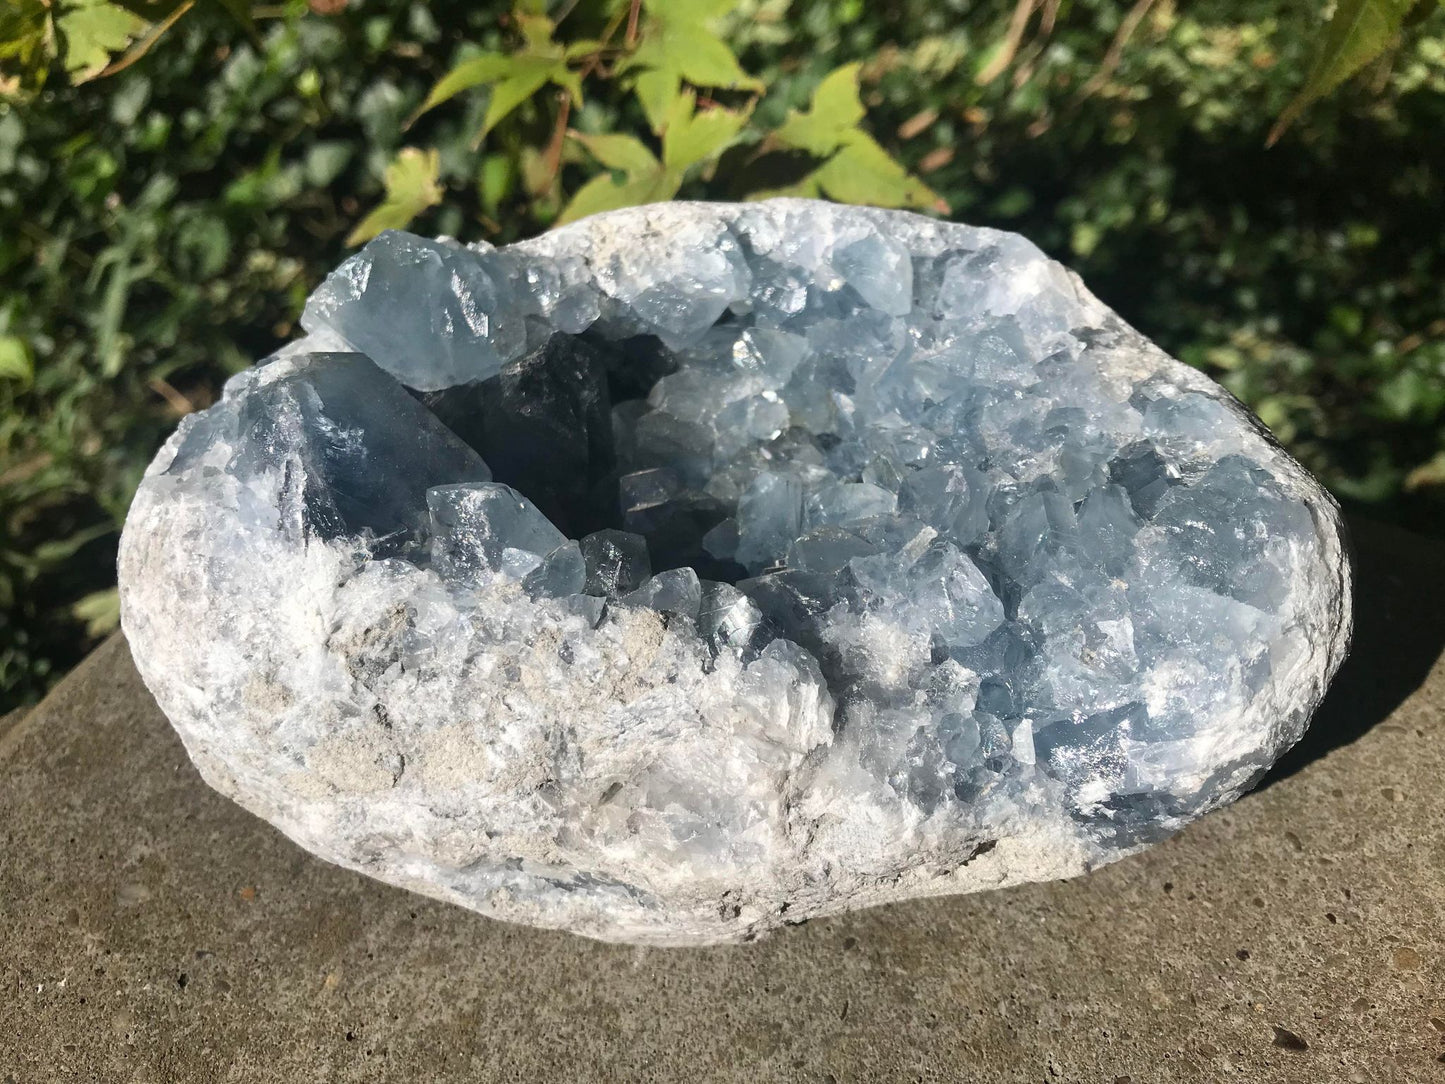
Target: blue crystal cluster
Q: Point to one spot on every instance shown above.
(914, 454)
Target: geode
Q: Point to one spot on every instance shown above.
(698, 569)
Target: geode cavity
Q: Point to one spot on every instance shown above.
(696, 569)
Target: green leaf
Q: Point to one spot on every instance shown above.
(27, 44)
(484, 69)
(1085, 238)
(806, 188)
(644, 180)
(1359, 31)
(91, 31)
(833, 113)
(625, 153)
(576, 50)
(411, 187)
(656, 90)
(689, 11)
(54, 551)
(703, 59)
(692, 137)
(15, 360)
(569, 81)
(678, 43)
(605, 194)
(513, 78)
(325, 161)
(836, 98)
(536, 31)
(496, 180)
(862, 172)
(511, 92)
(153, 33)
(857, 169)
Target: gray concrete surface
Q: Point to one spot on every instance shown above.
(150, 931)
(11, 719)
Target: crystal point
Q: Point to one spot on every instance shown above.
(617, 562)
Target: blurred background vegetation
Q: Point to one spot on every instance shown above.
(161, 226)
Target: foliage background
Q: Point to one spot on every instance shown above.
(160, 228)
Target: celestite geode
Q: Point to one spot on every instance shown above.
(697, 569)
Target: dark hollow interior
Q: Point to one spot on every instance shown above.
(545, 426)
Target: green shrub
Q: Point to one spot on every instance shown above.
(159, 228)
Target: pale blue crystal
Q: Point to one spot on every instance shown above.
(828, 549)
(685, 446)
(768, 353)
(945, 592)
(722, 541)
(770, 516)
(562, 572)
(488, 529)
(676, 591)
(729, 619)
(755, 419)
(880, 271)
(679, 308)
(645, 489)
(950, 498)
(355, 452)
(848, 502)
(430, 313)
(617, 562)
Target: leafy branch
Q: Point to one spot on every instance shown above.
(854, 168)
(87, 38)
(1359, 32)
(411, 187)
(678, 45)
(670, 56)
(513, 78)
(690, 138)
(670, 59)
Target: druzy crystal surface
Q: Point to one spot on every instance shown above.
(698, 569)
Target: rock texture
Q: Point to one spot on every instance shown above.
(698, 569)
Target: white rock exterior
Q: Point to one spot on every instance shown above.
(609, 769)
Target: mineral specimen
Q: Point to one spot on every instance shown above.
(697, 569)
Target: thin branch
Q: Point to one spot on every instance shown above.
(632, 14)
(605, 47)
(1115, 55)
(1418, 339)
(22, 471)
(167, 391)
(1050, 14)
(143, 45)
(1028, 62)
(559, 134)
(1013, 38)
(40, 237)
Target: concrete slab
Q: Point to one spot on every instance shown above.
(10, 719)
(150, 931)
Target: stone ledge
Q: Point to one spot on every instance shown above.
(152, 931)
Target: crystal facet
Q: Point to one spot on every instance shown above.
(696, 569)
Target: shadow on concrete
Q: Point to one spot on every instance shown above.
(1399, 633)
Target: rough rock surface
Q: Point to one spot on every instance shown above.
(698, 569)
